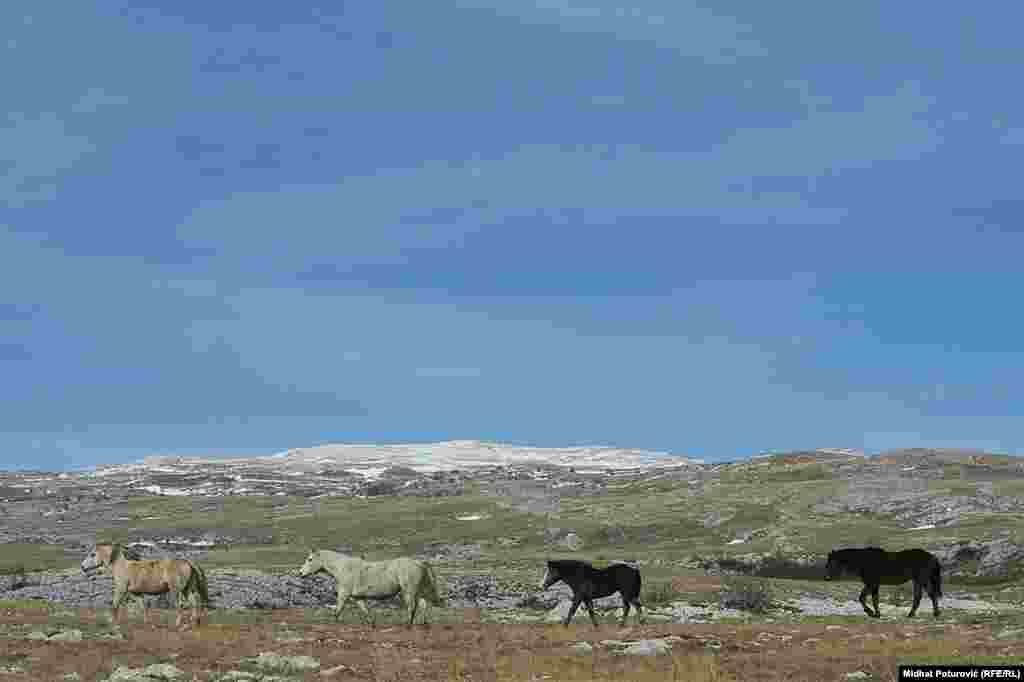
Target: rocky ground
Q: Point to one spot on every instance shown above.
(66, 510)
(76, 646)
(271, 625)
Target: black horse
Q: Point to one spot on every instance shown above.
(874, 566)
(589, 583)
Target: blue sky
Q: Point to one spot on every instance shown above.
(235, 228)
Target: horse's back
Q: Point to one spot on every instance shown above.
(407, 567)
(913, 556)
(627, 578)
(379, 578)
(154, 576)
(895, 568)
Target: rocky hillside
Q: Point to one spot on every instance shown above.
(772, 515)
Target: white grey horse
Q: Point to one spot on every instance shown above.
(361, 580)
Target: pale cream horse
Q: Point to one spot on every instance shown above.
(361, 580)
(152, 576)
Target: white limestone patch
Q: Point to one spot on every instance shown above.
(369, 473)
(160, 490)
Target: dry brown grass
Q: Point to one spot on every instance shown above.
(510, 653)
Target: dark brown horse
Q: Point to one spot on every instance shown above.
(874, 566)
(589, 583)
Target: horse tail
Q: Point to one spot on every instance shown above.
(197, 584)
(429, 586)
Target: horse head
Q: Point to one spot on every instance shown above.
(101, 555)
(833, 568)
(312, 564)
(551, 576)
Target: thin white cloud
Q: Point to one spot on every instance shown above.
(95, 99)
(34, 152)
(683, 26)
(1013, 136)
(377, 217)
(448, 372)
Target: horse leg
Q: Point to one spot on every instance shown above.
(590, 610)
(197, 619)
(179, 603)
(933, 594)
(182, 601)
(625, 611)
(935, 603)
(342, 602)
(572, 610)
(874, 598)
(119, 597)
(864, 600)
(640, 618)
(413, 605)
(918, 590)
(424, 609)
(367, 614)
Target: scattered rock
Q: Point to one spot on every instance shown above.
(742, 536)
(158, 672)
(646, 536)
(564, 537)
(241, 676)
(615, 535)
(639, 647)
(998, 557)
(995, 558)
(270, 661)
(714, 519)
(1011, 633)
(685, 613)
(337, 670)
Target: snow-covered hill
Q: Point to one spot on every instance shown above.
(470, 454)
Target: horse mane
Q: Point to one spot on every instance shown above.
(847, 550)
(119, 550)
(568, 563)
